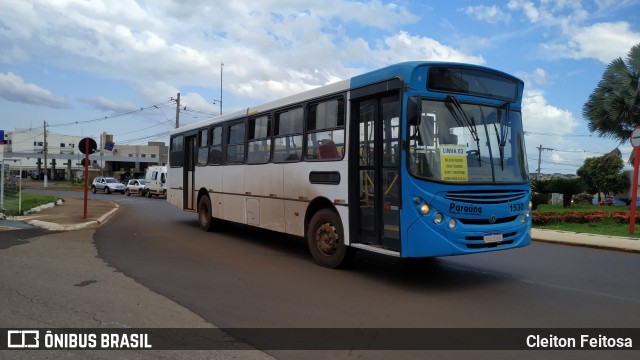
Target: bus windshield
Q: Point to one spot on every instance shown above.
(468, 143)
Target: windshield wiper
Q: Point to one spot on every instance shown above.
(461, 118)
(504, 131)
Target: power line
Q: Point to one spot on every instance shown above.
(154, 136)
(563, 135)
(135, 131)
(127, 113)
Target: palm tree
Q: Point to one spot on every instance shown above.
(613, 109)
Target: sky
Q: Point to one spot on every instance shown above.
(92, 66)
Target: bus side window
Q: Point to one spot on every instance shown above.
(176, 157)
(215, 152)
(258, 140)
(325, 130)
(235, 144)
(287, 146)
(203, 147)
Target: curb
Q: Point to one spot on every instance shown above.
(71, 227)
(618, 243)
(593, 246)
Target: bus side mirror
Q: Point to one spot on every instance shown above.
(413, 111)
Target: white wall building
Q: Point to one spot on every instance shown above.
(63, 155)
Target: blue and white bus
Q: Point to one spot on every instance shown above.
(418, 159)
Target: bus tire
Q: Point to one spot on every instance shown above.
(325, 237)
(204, 213)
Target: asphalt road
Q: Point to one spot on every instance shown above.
(250, 278)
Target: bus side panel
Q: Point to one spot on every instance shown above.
(233, 189)
(175, 194)
(294, 217)
(272, 214)
(210, 178)
(298, 188)
(266, 183)
(296, 181)
(217, 207)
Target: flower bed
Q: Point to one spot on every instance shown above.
(579, 217)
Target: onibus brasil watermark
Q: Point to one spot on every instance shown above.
(33, 339)
(581, 341)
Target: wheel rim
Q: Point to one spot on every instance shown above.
(327, 239)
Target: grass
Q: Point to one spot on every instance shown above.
(29, 201)
(604, 227)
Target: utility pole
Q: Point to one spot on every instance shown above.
(45, 154)
(178, 111)
(540, 148)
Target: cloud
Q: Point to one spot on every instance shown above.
(107, 105)
(270, 48)
(527, 7)
(14, 88)
(539, 76)
(549, 126)
(404, 47)
(490, 14)
(602, 41)
(13, 54)
(538, 114)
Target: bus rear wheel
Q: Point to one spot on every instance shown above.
(204, 213)
(325, 237)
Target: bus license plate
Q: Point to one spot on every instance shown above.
(492, 238)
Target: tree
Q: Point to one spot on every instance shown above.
(603, 174)
(541, 193)
(613, 109)
(566, 187)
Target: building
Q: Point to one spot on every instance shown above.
(64, 158)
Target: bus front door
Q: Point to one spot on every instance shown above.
(378, 156)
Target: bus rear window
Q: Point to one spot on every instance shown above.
(473, 82)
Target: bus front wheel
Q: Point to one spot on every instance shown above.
(325, 237)
(204, 213)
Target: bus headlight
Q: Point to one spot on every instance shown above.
(437, 218)
(424, 209)
(523, 218)
(452, 224)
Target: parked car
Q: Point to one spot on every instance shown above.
(156, 179)
(108, 185)
(135, 186)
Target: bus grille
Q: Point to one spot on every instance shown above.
(487, 222)
(485, 196)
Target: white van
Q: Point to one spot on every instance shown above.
(156, 181)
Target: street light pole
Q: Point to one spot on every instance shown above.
(220, 100)
(45, 154)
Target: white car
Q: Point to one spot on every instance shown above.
(108, 185)
(135, 186)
